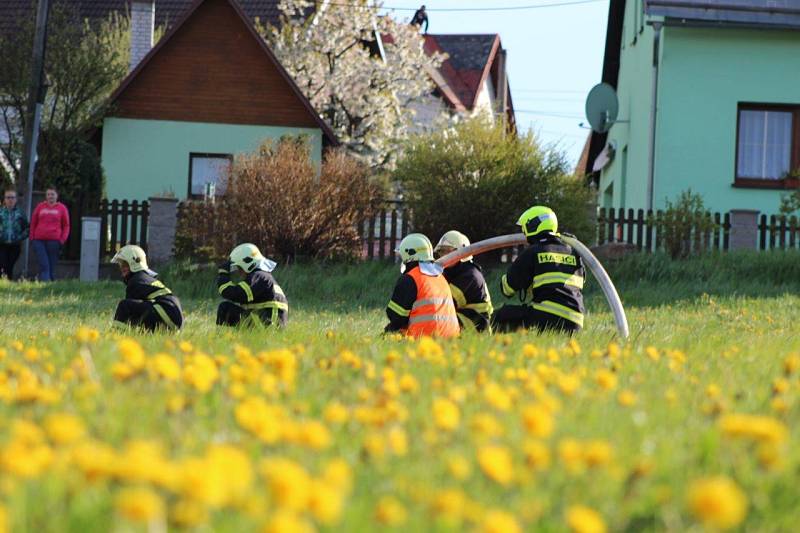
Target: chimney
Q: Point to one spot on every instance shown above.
(502, 85)
(143, 19)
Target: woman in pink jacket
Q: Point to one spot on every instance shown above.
(49, 232)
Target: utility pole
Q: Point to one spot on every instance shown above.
(33, 117)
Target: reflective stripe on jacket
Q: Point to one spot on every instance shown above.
(433, 312)
(548, 276)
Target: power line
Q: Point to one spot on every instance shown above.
(550, 91)
(552, 114)
(480, 9)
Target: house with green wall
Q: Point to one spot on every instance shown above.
(211, 89)
(709, 100)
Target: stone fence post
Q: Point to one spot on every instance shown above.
(744, 229)
(162, 221)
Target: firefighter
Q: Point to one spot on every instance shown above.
(467, 284)
(254, 297)
(548, 278)
(148, 303)
(421, 303)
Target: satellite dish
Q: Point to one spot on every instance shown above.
(602, 107)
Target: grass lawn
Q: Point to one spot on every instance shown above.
(329, 426)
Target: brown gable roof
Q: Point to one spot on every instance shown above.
(212, 66)
(168, 12)
(470, 61)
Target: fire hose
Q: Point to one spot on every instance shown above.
(600, 274)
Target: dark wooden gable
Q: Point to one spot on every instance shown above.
(213, 68)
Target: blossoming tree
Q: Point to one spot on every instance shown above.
(366, 97)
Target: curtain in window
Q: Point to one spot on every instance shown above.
(765, 144)
(209, 170)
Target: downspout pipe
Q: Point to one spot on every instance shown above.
(653, 114)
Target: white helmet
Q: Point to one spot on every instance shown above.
(455, 240)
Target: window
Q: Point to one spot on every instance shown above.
(208, 169)
(767, 146)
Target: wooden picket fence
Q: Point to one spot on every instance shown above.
(778, 232)
(642, 229)
(122, 222)
(383, 232)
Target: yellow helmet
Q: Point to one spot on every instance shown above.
(248, 257)
(538, 219)
(415, 247)
(453, 239)
(134, 256)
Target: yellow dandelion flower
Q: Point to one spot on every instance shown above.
(717, 502)
(486, 425)
(337, 473)
(446, 414)
(791, 364)
(165, 367)
(390, 512)
(189, 513)
(627, 398)
(140, 505)
(449, 505)
(325, 502)
(459, 467)
(287, 521)
(571, 455)
(598, 453)
(64, 429)
(289, 484)
(537, 455)
(496, 521)
(538, 421)
(496, 463)
(606, 379)
(132, 353)
(759, 428)
(398, 441)
(335, 413)
(568, 384)
(581, 519)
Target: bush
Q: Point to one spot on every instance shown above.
(478, 179)
(73, 166)
(682, 223)
(279, 200)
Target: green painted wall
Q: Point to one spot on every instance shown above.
(704, 74)
(143, 158)
(631, 136)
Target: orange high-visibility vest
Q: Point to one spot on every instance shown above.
(433, 313)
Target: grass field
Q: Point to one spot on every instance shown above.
(689, 426)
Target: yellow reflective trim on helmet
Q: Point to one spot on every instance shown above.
(559, 310)
(397, 308)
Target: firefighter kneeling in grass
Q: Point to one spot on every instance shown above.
(467, 284)
(421, 303)
(148, 302)
(548, 277)
(254, 298)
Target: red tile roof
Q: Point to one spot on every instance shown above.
(468, 64)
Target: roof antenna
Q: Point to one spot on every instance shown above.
(420, 17)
